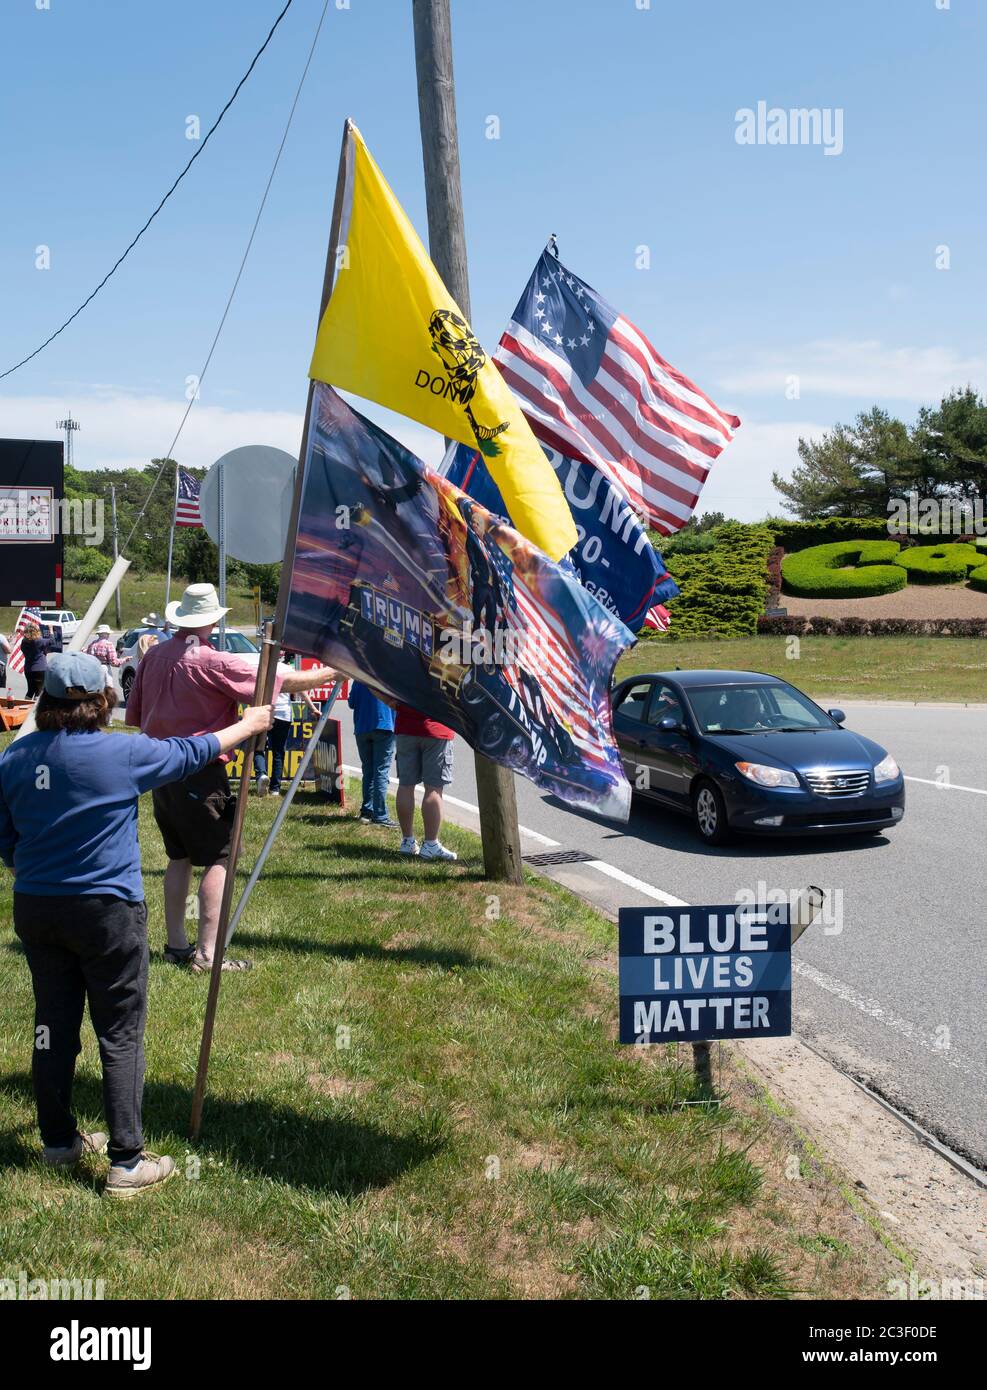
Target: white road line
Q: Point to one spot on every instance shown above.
(638, 884)
(874, 1009)
(466, 806)
(947, 786)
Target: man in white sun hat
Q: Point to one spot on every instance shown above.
(186, 687)
(102, 648)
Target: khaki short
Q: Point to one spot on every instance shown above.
(195, 817)
(422, 760)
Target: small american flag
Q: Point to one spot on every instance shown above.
(658, 618)
(593, 387)
(187, 511)
(16, 659)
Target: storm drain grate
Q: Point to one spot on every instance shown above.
(558, 856)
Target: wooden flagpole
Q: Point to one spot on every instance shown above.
(288, 564)
(267, 669)
(267, 661)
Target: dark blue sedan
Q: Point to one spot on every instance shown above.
(740, 751)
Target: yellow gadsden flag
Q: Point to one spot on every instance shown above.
(393, 333)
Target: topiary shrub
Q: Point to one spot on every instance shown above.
(939, 564)
(978, 579)
(844, 569)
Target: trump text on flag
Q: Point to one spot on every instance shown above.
(705, 973)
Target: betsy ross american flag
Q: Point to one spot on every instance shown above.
(593, 387)
(16, 658)
(187, 511)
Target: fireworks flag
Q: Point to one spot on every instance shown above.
(402, 580)
(613, 557)
(392, 333)
(593, 387)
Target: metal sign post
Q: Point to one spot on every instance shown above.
(221, 482)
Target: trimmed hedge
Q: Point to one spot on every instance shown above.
(724, 587)
(799, 535)
(793, 626)
(978, 579)
(844, 569)
(939, 564)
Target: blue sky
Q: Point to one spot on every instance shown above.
(617, 130)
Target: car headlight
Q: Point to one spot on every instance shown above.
(887, 770)
(766, 776)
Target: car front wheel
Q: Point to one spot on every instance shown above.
(127, 684)
(710, 814)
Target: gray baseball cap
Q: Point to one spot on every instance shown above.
(74, 676)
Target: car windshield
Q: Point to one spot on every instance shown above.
(235, 642)
(754, 709)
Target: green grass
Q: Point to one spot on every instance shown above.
(138, 594)
(874, 668)
(415, 1094)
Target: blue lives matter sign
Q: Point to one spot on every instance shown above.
(691, 974)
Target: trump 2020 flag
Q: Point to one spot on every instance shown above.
(613, 557)
(402, 580)
(593, 387)
(392, 333)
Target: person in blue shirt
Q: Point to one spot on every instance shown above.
(68, 830)
(373, 725)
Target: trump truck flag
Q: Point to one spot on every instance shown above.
(403, 581)
(594, 388)
(392, 333)
(613, 557)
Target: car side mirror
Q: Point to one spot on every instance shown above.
(838, 715)
(671, 726)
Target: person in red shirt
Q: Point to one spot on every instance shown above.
(185, 687)
(424, 755)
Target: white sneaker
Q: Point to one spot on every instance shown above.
(263, 784)
(431, 849)
(409, 845)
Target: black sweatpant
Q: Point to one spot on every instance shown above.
(83, 947)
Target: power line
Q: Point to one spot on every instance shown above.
(236, 282)
(120, 259)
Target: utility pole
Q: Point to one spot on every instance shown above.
(447, 247)
(116, 546)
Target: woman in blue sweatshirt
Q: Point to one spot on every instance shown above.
(68, 829)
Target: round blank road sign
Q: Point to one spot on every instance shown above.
(258, 482)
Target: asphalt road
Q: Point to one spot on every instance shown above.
(893, 987)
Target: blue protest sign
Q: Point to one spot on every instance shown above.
(691, 974)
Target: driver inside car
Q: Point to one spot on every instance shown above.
(746, 711)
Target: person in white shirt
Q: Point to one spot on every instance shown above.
(276, 741)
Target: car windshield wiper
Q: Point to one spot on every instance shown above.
(714, 733)
(797, 729)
